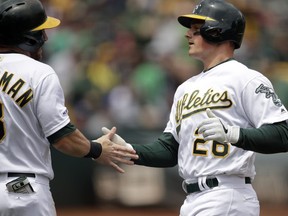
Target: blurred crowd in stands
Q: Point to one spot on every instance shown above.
(120, 61)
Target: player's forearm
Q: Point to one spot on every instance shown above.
(267, 139)
(161, 153)
(74, 144)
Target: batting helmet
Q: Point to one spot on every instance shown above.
(21, 23)
(221, 21)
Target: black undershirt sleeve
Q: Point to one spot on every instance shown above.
(69, 128)
(268, 139)
(161, 153)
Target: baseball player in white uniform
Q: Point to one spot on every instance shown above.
(218, 120)
(33, 115)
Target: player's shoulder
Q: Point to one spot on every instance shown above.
(241, 71)
(26, 68)
(239, 66)
(38, 65)
(246, 76)
(24, 62)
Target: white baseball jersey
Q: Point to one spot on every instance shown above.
(236, 94)
(32, 108)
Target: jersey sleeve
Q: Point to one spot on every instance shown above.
(161, 153)
(267, 139)
(261, 103)
(50, 105)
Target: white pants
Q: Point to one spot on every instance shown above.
(39, 203)
(228, 199)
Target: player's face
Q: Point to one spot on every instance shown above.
(198, 47)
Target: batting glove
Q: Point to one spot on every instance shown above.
(214, 129)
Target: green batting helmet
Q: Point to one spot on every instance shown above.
(222, 21)
(20, 19)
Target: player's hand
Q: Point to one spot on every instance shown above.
(213, 128)
(118, 140)
(113, 153)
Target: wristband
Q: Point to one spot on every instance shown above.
(95, 150)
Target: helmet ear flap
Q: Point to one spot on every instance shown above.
(217, 33)
(211, 33)
(32, 41)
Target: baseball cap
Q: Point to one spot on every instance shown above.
(49, 23)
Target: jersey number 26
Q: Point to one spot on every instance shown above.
(218, 149)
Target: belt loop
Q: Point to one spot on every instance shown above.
(184, 186)
(248, 180)
(202, 183)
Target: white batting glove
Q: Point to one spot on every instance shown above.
(117, 139)
(213, 128)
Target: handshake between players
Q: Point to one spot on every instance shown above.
(114, 154)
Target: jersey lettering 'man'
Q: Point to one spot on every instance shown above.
(12, 90)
